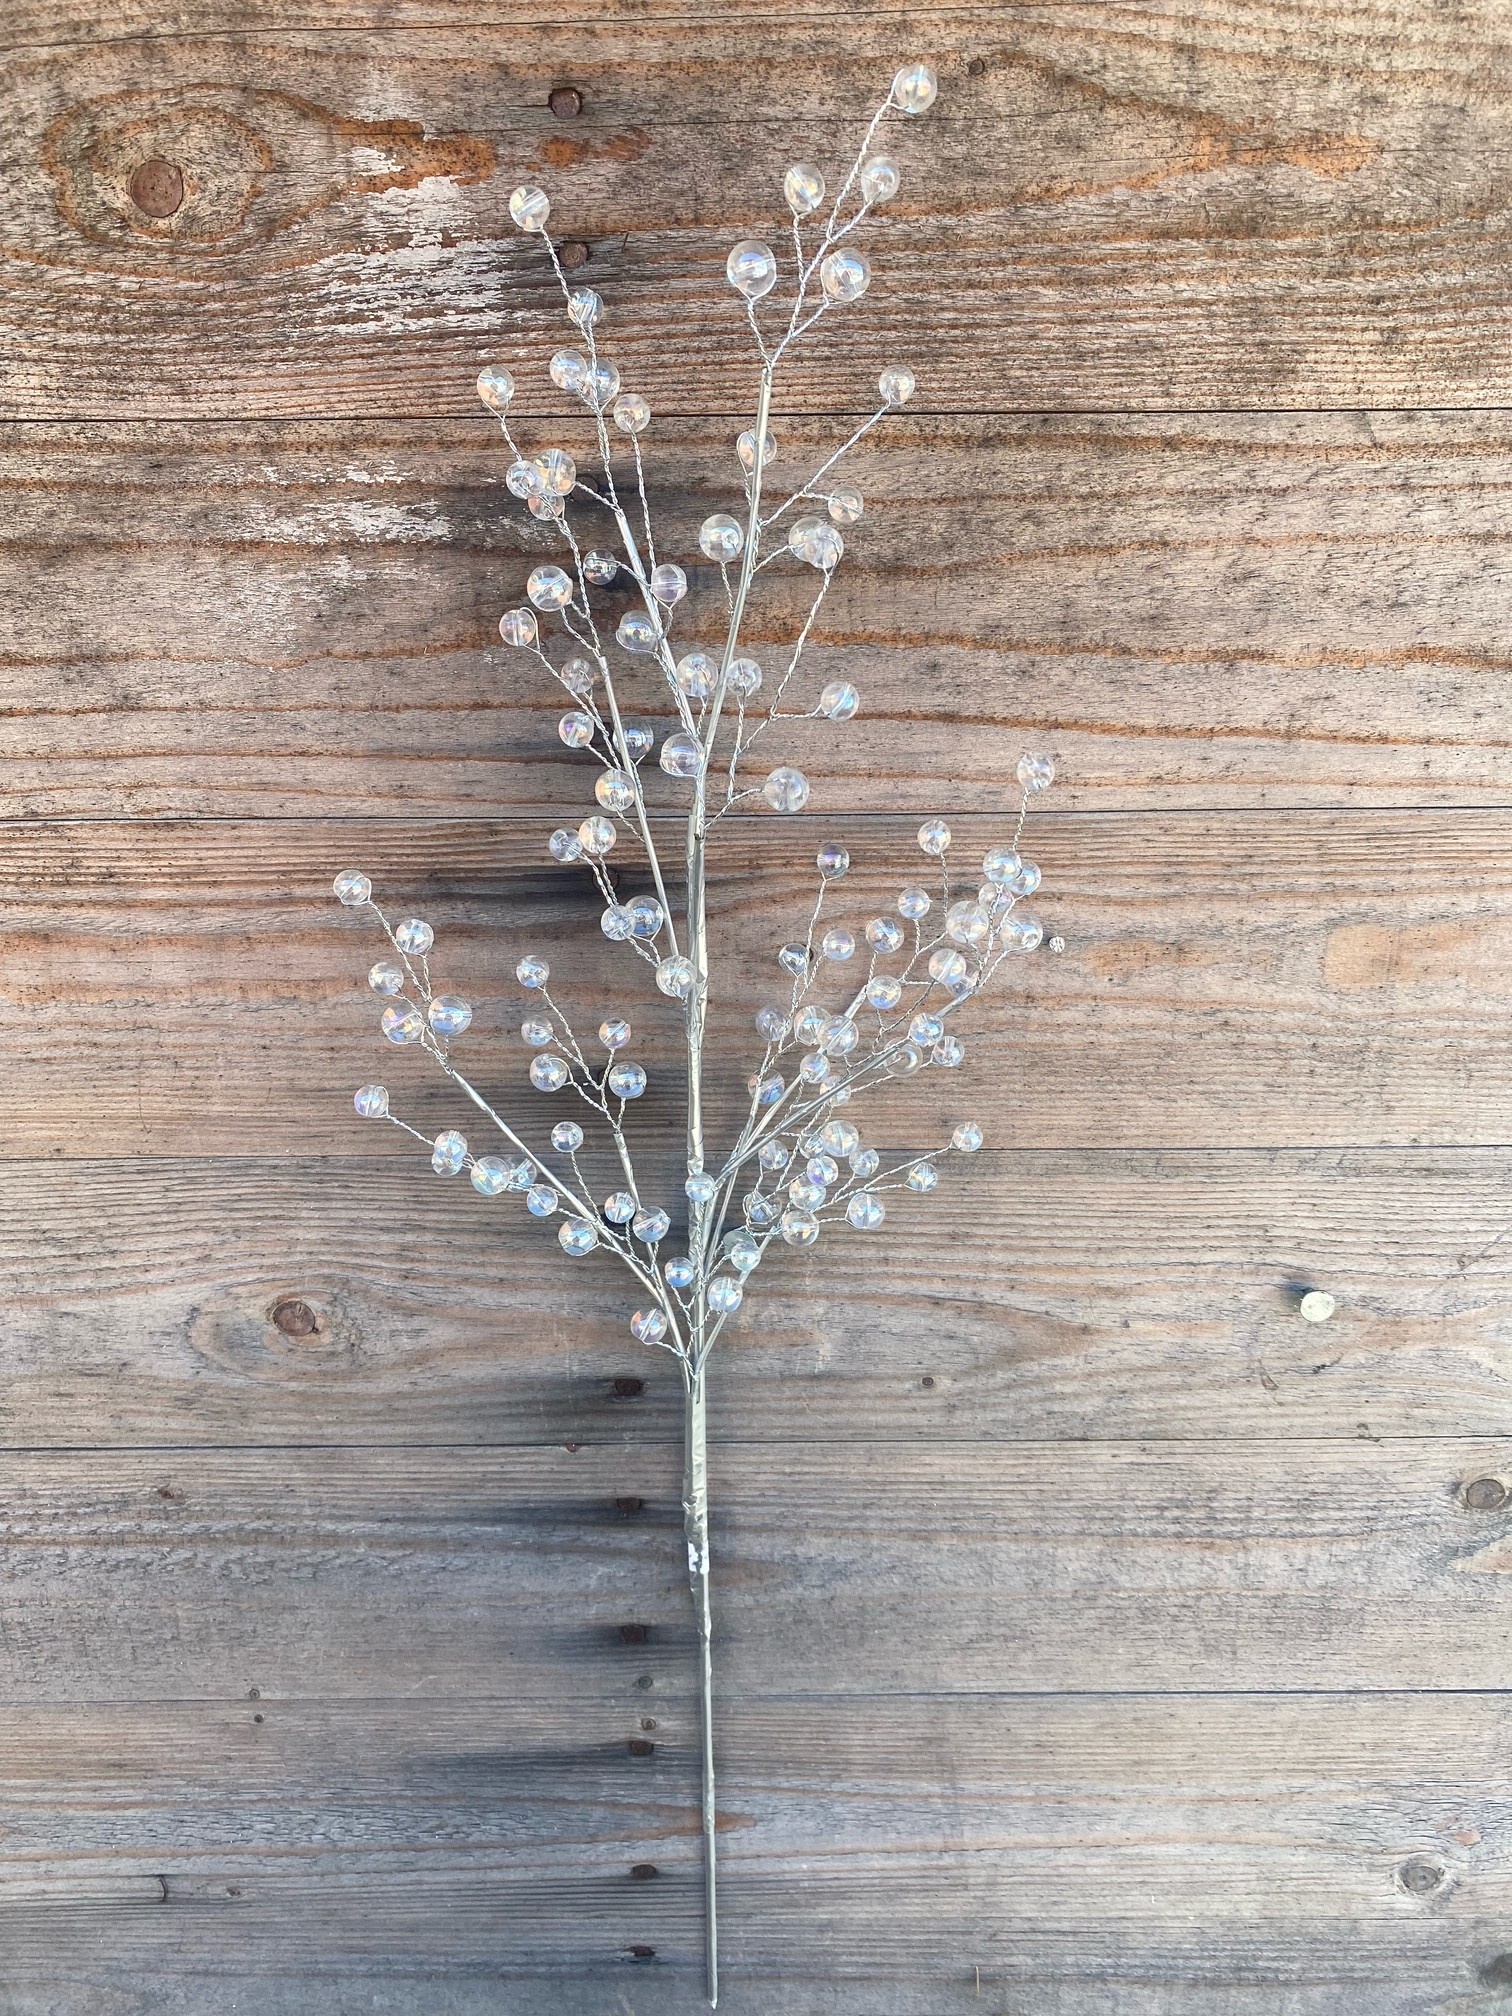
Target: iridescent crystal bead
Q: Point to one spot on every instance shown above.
(386, 978)
(577, 676)
(650, 1227)
(880, 179)
(742, 1251)
(700, 1188)
(814, 1067)
(897, 385)
(521, 479)
(845, 506)
(530, 208)
(556, 470)
(771, 1023)
(496, 387)
(766, 1091)
(1020, 934)
(967, 923)
(839, 1036)
(601, 383)
(490, 1175)
(905, 1060)
(759, 1210)
(934, 837)
(681, 754)
(839, 701)
(541, 1200)
(614, 1033)
(1036, 773)
(600, 568)
(883, 992)
(548, 1072)
(823, 1170)
(616, 923)
(567, 370)
(946, 965)
(669, 584)
(798, 1228)
(565, 845)
(648, 1326)
(615, 790)
(794, 959)
(402, 1023)
(518, 627)
(922, 1177)
(967, 1137)
(743, 678)
(838, 944)
(619, 1207)
(697, 674)
(577, 1237)
(884, 934)
(845, 276)
(626, 1081)
(1000, 865)
(537, 1031)
(1026, 881)
(597, 835)
(414, 936)
(949, 1053)
(521, 1176)
(638, 739)
(809, 1144)
(816, 541)
(449, 1014)
(832, 861)
(865, 1211)
(865, 1162)
(725, 1294)
(810, 1021)
(352, 888)
(532, 971)
(786, 790)
(925, 1029)
(584, 307)
(637, 633)
(567, 1137)
(448, 1152)
(914, 88)
(721, 537)
(576, 729)
(632, 413)
(549, 587)
(371, 1101)
(546, 507)
(745, 449)
(839, 1137)
(751, 268)
(913, 904)
(679, 1271)
(646, 917)
(675, 977)
(803, 187)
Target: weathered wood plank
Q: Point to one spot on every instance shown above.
(1301, 206)
(1218, 611)
(964, 1568)
(1111, 1294)
(195, 989)
(1044, 1833)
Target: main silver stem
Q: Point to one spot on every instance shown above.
(696, 1527)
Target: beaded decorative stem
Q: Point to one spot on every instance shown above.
(798, 1162)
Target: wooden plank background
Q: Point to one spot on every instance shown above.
(1096, 1638)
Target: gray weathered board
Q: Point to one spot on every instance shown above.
(1096, 1638)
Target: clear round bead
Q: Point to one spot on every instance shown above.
(913, 904)
(576, 730)
(839, 1137)
(742, 1251)
(1000, 865)
(650, 1227)
(922, 1178)
(548, 1072)
(565, 845)
(546, 507)
(934, 837)
(638, 740)
(967, 923)
(914, 89)
(865, 1211)
(1026, 881)
(880, 179)
(897, 385)
(679, 1270)
(675, 977)
(576, 1237)
(522, 480)
(601, 383)
(725, 1294)
(884, 934)
(577, 676)
(751, 268)
(794, 959)
(949, 1053)
(567, 1137)
(414, 936)
(600, 568)
(518, 627)
(743, 678)
(540, 1200)
(626, 1081)
(537, 1031)
(556, 471)
(615, 790)
(967, 1138)
(402, 1023)
(1020, 934)
(616, 923)
(619, 1207)
(845, 275)
(597, 835)
(946, 965)
(803, 187)
(352, 888)
(632, 413)
(637, 633)
(845, 506)
(905, 1060)
(865, 1162)
(697, 674)
(681, 754)
(1036, 773)
(839, 701)
(386, 978)
(614, 1033)
(448, 1152)
(532, 971)
(669, 584)
(838, 943)
(549, 587)
(371, 1101)
(832, 861)
(490, 1175)
(648, 1326)
(646, 917)
(721, 537)
(530, 208)
(883, 992)
(568, 369)
(786, 790)
(771, 1023)
(816, 541)
(496, 387)
(798, 1228)
(773, 1155)
(839, 1036)
(449, 1014)
(745, 449)
(584, 307)
(823, 1169)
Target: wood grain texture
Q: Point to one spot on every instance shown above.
(1259, 207)
(1235, 611)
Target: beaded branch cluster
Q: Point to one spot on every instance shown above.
(798, 1162)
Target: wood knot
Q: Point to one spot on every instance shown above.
(1485, 1494)
(296, 1319)
(641, 1746)
(628, 1507)
(644, 1872)
(157, 188)
(1420, 1876)
(629, 1388)
(633, 1634)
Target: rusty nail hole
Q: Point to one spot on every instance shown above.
(628, 1507)
(296, 1319)
(1419, 1876)
(257, 1718)
(641, 1746)
(976, 66)
(644, 1872)
(643, 1952)
(629, 1389)
(157, 187)
(566, 101)
(927, 1381)
(632, 1634)
(573, 254)
(1485, 1494)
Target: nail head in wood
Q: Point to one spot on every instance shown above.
(1420, 1876)
(296, 1319)
(157, 187)
(977, 66)
(566, 101)
(1316, 1306)
(572, 255)
(1485, 1494)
